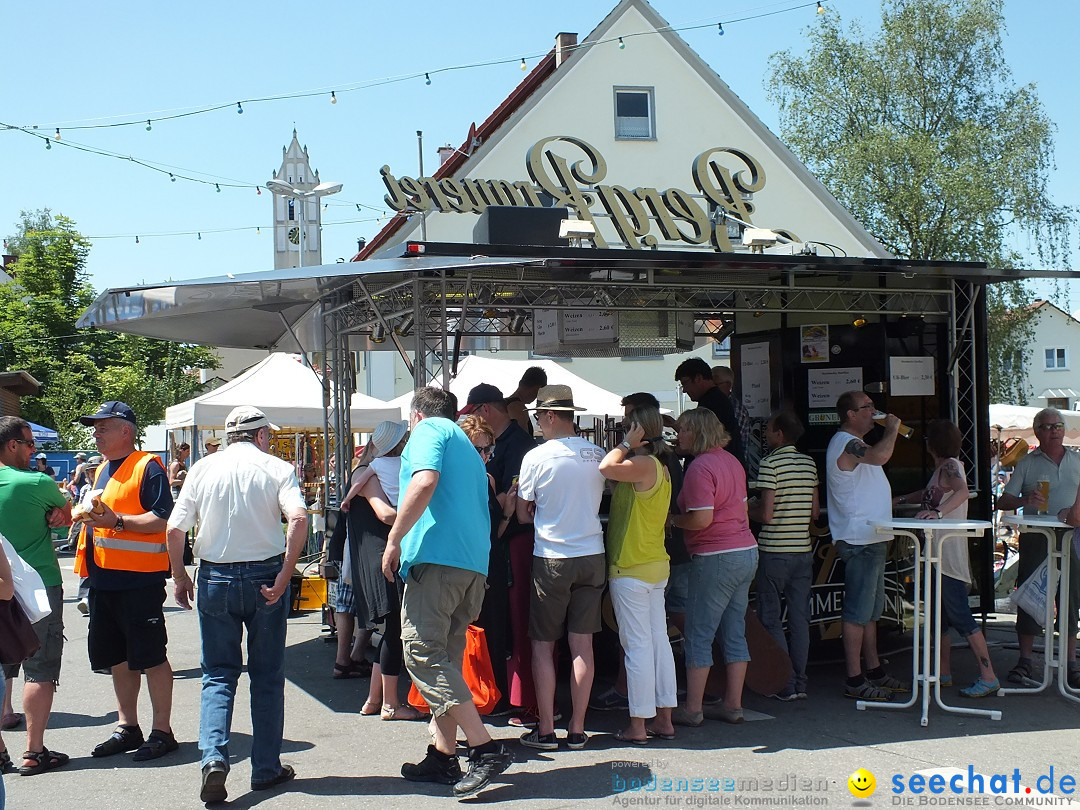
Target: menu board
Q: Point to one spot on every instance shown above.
(825, 385)
(911, 376)
(754, 385)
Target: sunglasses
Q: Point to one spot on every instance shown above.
(485, 450)
(28, 442)
(1051, 426)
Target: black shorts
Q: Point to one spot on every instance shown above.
(127, 626)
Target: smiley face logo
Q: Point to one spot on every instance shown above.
(862, 784)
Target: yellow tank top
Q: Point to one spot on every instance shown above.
(635, 540)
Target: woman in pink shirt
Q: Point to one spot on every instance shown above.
(723, 559)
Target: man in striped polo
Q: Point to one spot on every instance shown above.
(788, 482)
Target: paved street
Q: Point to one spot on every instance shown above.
(345, 760)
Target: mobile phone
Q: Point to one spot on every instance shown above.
(513, 480)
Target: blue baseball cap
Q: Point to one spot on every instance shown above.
(110, 410)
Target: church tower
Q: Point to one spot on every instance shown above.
(293, 215)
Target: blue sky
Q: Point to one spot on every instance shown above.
(128, 60)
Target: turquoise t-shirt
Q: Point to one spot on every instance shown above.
(25, 497)
(455, 529)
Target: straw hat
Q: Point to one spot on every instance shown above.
(555, 398)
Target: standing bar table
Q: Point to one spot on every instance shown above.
(1059, 559)
(925, 667)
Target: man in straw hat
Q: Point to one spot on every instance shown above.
(238, 497)
(440, 542)
(559, 490)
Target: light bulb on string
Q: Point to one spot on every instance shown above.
(622, 45)
(258, 191)
(820, 8)
(720, 29)
(136, 240)
(239, 109)
(523, 65)
(217, 188)
(200, 236)
(48, 144)
(258, 230)
(333, 97)
(57, 135)
(427, 78)
(148, 125)
(172, 177)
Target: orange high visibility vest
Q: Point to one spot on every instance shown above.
(126, 550)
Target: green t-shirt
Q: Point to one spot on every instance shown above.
(25, 497)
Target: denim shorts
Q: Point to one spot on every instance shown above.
(864, 581)
(955, 610)
(718, 596)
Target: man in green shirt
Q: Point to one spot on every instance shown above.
(30, 505)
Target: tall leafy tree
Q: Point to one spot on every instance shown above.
(79, 368)
(921, 132)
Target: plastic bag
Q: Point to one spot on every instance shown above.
(29, 589)
(477, 671)
(1031, 595)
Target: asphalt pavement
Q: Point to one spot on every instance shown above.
(786, 755)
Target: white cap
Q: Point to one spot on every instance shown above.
(247, 417)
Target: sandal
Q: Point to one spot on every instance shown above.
(371, 708)
(123, 739)
(1021, 673)
(402, 712)
(659, 735)
(5, 761)
(158, 744)
(981, 689)
(353, 669)
(44, 760)
(867, 691)
(10, 721)
(621, 737)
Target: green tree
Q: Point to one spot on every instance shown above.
(80, 368)
(921, 133)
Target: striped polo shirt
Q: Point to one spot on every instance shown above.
(793, 476)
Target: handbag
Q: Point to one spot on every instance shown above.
(1031, 596)
(18, 641)
(477, 671)
(30, 591)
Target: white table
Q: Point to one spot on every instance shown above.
(925, 667)
(1059, 557)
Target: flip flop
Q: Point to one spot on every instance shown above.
(10, 721)
(658, 735)
(621, 737)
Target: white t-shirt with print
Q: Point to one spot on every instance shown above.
(562, 476)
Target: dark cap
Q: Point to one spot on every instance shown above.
(481, 395)
(110, 410)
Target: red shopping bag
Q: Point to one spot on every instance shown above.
(476, 668)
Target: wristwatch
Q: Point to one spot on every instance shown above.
(119, 527)
(625, 445)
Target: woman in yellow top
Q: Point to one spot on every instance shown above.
(638, 572)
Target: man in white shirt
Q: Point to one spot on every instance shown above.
(858, 495)
(238, 497)
(559, 490)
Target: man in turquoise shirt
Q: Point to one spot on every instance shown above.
(440, 541)
(30, 505)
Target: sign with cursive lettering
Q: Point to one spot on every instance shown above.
(725, 176)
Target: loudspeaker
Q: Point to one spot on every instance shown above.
(514, 225)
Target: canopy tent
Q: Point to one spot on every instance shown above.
(288, 392)
(43, 434)
(505, 375)
(1015, 421)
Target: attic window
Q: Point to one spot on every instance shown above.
(634, 115)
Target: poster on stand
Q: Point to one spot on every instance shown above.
(911, 376)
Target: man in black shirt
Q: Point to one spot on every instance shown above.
(695, 377)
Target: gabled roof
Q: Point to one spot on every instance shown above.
(536, 85)
(1039, 303)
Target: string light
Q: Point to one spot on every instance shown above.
(136, 240)
(523, 65)
(172, 177)
(200, 236)
(820, 8)
(48, 144)
(258, 191)
(427, 78)
(258, 231)
(239, 109)
(333, 97)
(622, 45)
(217, 188)
(149, 126)
(57, 135)
(720, 29)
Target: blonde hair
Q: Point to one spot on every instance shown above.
(706, 430)
(653, 424)
(474, 425)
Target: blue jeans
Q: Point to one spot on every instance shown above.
(788, 575)
(229, 602)
(864, 581)
(719, 593)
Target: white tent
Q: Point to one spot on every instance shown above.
(287, 391)
(1016, 420)
(505, 375)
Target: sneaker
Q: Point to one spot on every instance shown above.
(83, 607)
(610, 701)
(542, 742)
(867, 691)
(801, 696)
(733, 716)
(577, 741)
(286, 774)
(787, 694)
(482, 769)
(213, 782)
(435, 767)
(889, 684)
